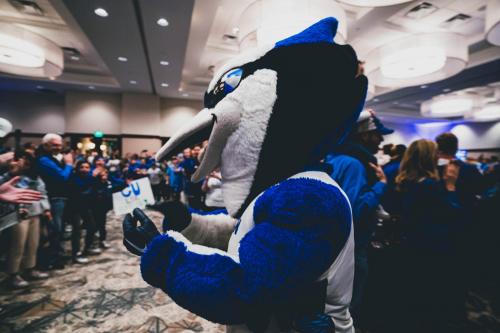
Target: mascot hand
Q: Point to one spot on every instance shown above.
(176, 215)
(136, 238)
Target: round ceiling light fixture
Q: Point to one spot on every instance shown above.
(373, 3)
(449, 106)
(417, 59)
(492, 22)
(101, 12)
(25, 53)
(413, 62)
(490, 112)
(280, 19)
(162, 22)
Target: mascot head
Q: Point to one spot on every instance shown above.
(271, 114)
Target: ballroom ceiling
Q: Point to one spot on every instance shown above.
(171, 48)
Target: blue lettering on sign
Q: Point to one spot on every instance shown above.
(137, 190)
(126, 194)
(132, 188)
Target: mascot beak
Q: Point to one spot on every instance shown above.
(197, 130)
(216, 125)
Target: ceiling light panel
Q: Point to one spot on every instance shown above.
(25, 53)
(490, 112)
(450, 105)
(284, 18)
(417, 59)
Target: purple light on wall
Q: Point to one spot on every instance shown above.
(432, 129)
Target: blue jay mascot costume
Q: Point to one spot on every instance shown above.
(282, 260)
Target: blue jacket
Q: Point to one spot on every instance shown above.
(392, 199)
(81, 191)
(175, 179)
(352, 177)
(55, 175)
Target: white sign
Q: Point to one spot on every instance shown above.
(137, 194)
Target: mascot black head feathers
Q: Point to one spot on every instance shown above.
(270, 115)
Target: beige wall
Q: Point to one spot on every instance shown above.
(175, 112)
(140, 114)
(86, 112)
(136, 145)
(33, 112)
(90, 112)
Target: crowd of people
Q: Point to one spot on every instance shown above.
(428, 197)
(61, 192)
(436, 210)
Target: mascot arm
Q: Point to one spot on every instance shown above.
(210, 230)
(216, 286)
(274, 260)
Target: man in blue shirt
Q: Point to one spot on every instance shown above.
(55, 170)
(191, 190)
(470, 183)
(355, 169)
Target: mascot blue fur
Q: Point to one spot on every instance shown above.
(282, 259)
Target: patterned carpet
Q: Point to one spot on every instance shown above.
(106, 295)
(109, 295)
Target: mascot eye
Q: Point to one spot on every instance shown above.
(231, 80)
(228, 83)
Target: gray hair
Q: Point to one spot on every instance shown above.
(50, 136)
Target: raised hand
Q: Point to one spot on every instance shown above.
(9, 193)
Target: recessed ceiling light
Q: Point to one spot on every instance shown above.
(75, 58)
(123, 59)
(375, 99)
(185, 95)
(132, 82)
(395, 103)
(413, 62)
(180, 89)
(52, 78)
(39, 87)
(423, 86)
(101, 12)
(164, 63)
(446, 90)
(162, 22)
(91, 87)
(164, 84)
